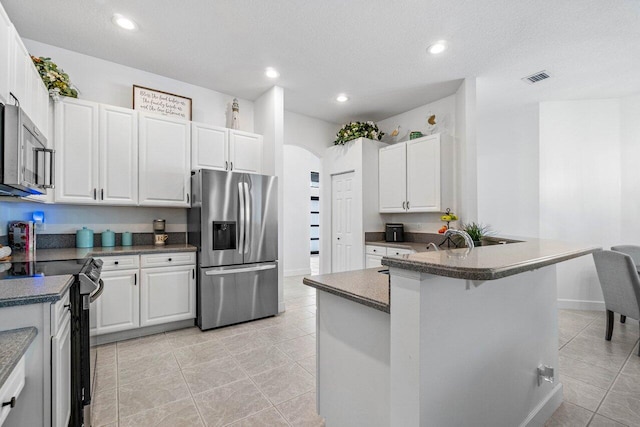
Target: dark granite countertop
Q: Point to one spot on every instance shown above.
(13, 344)
(491, 262)
(80, 253)
(368, 287)
(33, 290)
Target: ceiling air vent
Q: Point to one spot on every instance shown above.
(537, 77)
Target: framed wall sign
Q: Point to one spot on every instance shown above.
(159, 102)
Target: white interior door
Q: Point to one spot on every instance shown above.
(342, 219)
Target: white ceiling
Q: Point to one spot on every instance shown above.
(372, 50)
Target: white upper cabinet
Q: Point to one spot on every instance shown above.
(209, 147)
(410, 176)
(164, 150)
(77, 154)
(19, 85)
(118, 155)
(245, 152)
(423, 174)
(220, 148)
(392, 162)
(5, 56)
(96, 153)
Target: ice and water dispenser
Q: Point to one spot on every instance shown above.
(224, 235)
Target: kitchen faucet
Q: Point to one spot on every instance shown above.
(434, 246)
(467, 239)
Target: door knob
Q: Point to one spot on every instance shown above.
(338, 238)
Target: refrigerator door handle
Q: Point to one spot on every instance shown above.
(247, 216)
(241, 212)
(239, 270)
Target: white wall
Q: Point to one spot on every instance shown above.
(63, 219)
(508, 169)
(580, 188)
(416, 120)
(310, 133)
(630, 172)
(298, 163)
(269, 122)
(110, 83)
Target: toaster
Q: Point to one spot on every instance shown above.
(394, 232)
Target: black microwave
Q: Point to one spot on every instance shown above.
(27, 166)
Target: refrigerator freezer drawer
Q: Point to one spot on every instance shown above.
(228, 295)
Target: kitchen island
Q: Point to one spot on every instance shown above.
(458, 342)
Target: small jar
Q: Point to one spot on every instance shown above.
(127, 239)
(108, 238)
(84, 238)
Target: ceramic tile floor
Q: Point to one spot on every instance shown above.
(263, 373)
(601, 378)
(259, 373)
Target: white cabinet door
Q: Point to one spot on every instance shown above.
(118, 156)
(5, 56)
(118, 308)
(209, 147)
(392, 181)
(373, 261)
(423, 174)
(19, 84)
(167, 294)
(76, 144)
(164, 150)
(245, 152)
(61, 374)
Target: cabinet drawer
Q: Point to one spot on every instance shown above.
(12, 388)
(398, 251)
(125, 262)
(58, 311)
(167, 259)
(376, 250)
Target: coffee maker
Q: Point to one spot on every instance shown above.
(159, 236)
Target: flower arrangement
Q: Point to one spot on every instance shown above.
(55, 79)
(355, 130)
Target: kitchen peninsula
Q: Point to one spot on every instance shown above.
(448, 338)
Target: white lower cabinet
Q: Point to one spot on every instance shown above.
(374, 254)
(118, 308)
(162, 291)
(168, 294)
(61, 373)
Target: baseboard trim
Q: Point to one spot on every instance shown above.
(575, 304)
(281, 308)
(142, 332)
(539, 416)
(299, 272)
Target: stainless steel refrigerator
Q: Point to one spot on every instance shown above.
(233, 221)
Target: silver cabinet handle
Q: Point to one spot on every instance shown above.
(187, 197)
(95, 194)
(226, 165)
(403, 206)
(408, 205)
(231, 166)
(102, 194)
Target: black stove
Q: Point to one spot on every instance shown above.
(22, 269)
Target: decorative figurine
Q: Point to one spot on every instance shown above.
(432, 124)
(235, 120)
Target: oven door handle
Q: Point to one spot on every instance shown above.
(96, 294)
(52, 166)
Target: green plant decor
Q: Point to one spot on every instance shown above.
(54, 78)
(356, 130)
(476, 230)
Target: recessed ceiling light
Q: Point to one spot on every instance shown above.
(438, 47)
(124, 22)
(342, 98)
(272, 73)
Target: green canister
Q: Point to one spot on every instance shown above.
(108, 238)
(84, 238)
